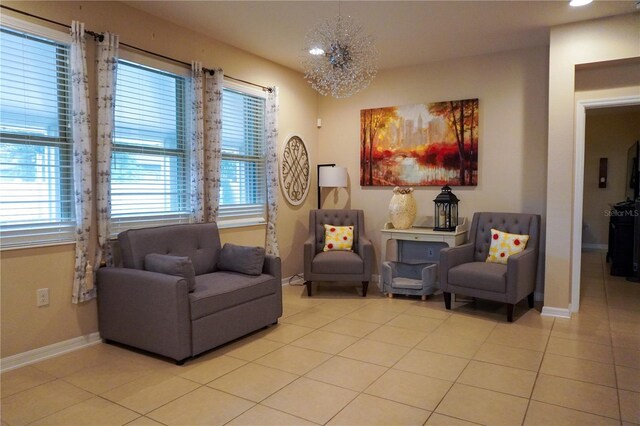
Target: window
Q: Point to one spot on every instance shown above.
(150, 161)
(36, 175)
(243, 182)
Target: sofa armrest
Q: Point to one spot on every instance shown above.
(365, 249)
(522, 269)
(309, 254)
(453, 256)
(386, 274)
(147, 310)
(429, 274)
(272, 266)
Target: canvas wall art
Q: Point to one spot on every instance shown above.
(432, 144)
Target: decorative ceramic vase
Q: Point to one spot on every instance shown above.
(402, 208)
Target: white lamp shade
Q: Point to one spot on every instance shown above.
(333, 177)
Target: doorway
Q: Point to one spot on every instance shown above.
(580, 132)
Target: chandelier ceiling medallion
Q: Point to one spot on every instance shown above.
(340, 59)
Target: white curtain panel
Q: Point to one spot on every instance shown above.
(213, 142)
(197, 162)
(107, 66)
(271, 138)
(83, 289)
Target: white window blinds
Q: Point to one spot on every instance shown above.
(243, 185)
(149, 163)
(36, 176)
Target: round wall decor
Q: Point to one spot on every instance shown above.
(295, 173)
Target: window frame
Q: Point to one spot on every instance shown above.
(235, 222)
(63, 231)
(181, 152)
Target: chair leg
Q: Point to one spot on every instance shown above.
(447, 300)
(530, 300)
(510, 307)
(365, 286)
(424, 297)
(308, 284)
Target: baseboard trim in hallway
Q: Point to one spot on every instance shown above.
(556, 312)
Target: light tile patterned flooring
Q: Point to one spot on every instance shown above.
(340, 359)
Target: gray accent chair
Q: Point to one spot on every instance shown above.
(156, 312)
(337, 265)
(463, 269)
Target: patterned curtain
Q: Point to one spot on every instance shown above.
(213, 143)
(197, 158)
(106, 65)
(271, 138)
(83, 289)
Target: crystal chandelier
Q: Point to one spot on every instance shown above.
(340, 59)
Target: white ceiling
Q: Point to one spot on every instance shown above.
(405, 32)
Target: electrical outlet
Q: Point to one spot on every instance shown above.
(42, 296)
(430, 252)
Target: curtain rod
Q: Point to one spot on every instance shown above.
(101, 37)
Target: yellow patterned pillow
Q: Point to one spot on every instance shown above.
(504, 245)
(338, 238)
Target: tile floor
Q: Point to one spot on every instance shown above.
(340, 359)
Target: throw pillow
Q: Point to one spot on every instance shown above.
(504, 245)
(338, 238)
(243, 259)
(180, 266)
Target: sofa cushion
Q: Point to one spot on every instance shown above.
(243, 259)
(407, 283)
(338, 238)
(199, 241)
(336, 217)
(222, 290)
(171, 265)
(337, 262)
(504, 245)
(479, 275)
(513, 223)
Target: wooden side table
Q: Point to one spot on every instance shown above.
(425, 236)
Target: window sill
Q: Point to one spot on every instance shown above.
(240, 223)
(37, 245)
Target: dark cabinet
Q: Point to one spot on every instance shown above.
(621, 241)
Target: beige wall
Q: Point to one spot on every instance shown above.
(513, 170)
(26, 327)
(609, 133)
(570, 46)
(512, 92)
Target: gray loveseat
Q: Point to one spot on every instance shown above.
(188, 309)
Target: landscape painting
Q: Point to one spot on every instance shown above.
(432, 144)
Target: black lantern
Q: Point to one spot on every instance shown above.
(446, 211)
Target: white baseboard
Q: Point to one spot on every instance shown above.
(587, 246)
(556, 312)
(40, 354)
